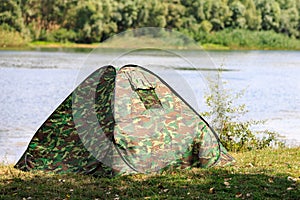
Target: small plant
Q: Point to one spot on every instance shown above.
(234, 133)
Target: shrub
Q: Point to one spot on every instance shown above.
(236, 135)
(11, 38)
(63, 35)
(238, 38)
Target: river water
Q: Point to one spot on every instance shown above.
(34, 83)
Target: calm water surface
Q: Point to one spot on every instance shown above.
(34, 83)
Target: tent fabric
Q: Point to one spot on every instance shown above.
(123, 121)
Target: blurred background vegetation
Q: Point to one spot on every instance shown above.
(230, 23)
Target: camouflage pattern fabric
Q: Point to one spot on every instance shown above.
(57, 146)
(156, 128)
(119, 122)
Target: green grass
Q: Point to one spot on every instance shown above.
(265, 174)
(46, 44)
(210, 46)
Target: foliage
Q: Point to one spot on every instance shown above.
(11, 38)
(240, 38)
(62, 35)
(265, 174)
(234, 133)
(90, 21)
(10, 15)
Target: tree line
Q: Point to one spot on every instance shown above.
(89, 21)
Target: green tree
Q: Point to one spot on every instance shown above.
(94, 20)
(289, 20)
(244, 15)
(205, 26)
(252, 16)
(125, 15)
(11, 15)
(44, 16)
(31, 12)
(217, 12)
(270, 14)
(151, 13)
(51, 13)
(109, 26)
(238, 14)
(175, 14)
(88, 21)
(298, 9)
(190, 24)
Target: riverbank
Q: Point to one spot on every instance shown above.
(235, 39)
(52, 46)
(263, 174)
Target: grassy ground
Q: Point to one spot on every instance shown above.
(266, 174)
(43, 44)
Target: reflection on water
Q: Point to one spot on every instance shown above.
(34, 83)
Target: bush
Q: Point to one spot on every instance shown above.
(63, 35)
(236, 135)
(238, 38)
(11, 38)
(60, 35)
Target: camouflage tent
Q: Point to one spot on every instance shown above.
(123, 121)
